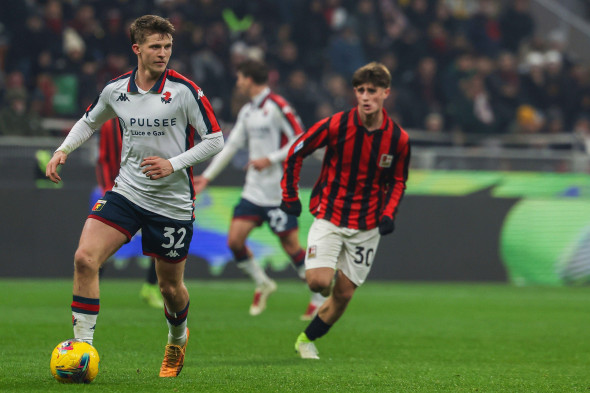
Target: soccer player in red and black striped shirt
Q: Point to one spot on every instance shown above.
(354, 201)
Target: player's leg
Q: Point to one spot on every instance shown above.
(176, 305)
(168, 241)
(176, 298)
(324, 246)
(290, 243)
(315, 302)
(239, 230)
(323, 250)
(96, 194)
(329, 312)
(97, 243)
(354, 265)
(248, 216)
(111, 223)
(336, 304)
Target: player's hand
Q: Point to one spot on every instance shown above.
(293, 208)
(59, 158)
(386, 226)
(200, 183)
(156, 167)
(259, 163)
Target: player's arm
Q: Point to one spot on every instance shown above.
(315, 138)
(286, 120)
(395, 191)
(203, 120)
(236, 140)
(96, 114)
(156, 167)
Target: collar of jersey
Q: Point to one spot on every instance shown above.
(357, 120)
(259, 99)
(156, 88)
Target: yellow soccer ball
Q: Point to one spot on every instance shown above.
(74, 361)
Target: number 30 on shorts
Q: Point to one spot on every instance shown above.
(362, 256)
(172, 235)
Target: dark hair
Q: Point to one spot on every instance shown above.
(254, 69)
(374, 73)
(147, 25)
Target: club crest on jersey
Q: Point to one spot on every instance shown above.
(99, 205)
(166, 97)
(311, 252)
(385, 160)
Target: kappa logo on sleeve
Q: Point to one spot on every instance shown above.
(99, 205)
(385, 160)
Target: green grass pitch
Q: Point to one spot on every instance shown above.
(395, 337)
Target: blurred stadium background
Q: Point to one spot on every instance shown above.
(494, 94)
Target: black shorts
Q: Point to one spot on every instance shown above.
(280, 222)
(162, 237)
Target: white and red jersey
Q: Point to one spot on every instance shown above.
(267, 126)
(159, 122)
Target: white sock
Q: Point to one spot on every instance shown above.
(253, 269)
(176, 334)
(84, 325)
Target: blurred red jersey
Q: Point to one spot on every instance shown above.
(109, 154)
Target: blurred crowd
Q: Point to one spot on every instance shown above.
(470, 66)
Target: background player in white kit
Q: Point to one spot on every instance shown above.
(268, 126)
(159, 111)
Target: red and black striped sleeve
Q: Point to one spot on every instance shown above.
(315, 138)
(395, 189)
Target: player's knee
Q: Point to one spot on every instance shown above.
(168, 291)
(317, 283)
(238, 248)
(291, 248)
(290, 243)
(234, 245)
(85, 263)
(169, 288)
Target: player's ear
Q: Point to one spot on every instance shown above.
(135, 49)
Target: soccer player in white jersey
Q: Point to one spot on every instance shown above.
(159, 111)
(267, 125)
